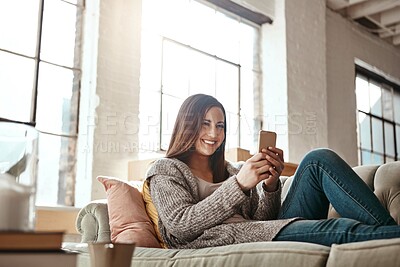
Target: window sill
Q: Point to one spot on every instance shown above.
(58, 218)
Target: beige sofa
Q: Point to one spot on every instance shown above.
(384, 180)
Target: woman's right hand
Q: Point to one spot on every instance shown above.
(254, 170)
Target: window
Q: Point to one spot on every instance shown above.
(197, 49)
(40, 81)
(378, 108)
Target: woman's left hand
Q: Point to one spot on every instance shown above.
(275, 157)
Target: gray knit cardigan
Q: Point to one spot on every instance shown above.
(187, 222)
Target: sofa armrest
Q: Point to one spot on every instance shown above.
(387, 188)
(92, 222)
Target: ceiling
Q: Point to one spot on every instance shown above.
(380, 17)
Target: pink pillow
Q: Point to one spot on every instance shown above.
(128, 219)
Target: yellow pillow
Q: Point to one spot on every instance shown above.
(151, 211)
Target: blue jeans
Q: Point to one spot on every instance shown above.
(323, 178)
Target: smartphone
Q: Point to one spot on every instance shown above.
(266, 139)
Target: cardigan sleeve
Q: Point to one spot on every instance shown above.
(265, 205)
(181, 214)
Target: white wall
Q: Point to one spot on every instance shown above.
(294, 76)
(274, 81)
(347, 42)
(110, 103)
(309, 55)
(118, 73)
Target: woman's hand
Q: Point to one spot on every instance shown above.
(267, 165)
(274, 156)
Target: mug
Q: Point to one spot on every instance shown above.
(111, 254)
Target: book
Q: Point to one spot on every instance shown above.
(58, 258)
(30, 240)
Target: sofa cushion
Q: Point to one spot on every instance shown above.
(283, 254)
(364, 254)
(127, 214)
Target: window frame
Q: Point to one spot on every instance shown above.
(240, 117)
(76, 68)
(372, 77)
(163, 93)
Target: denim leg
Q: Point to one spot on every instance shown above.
(322, 178)
(335, 231)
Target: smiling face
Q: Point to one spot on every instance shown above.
(212, 132)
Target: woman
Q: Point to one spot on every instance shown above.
(203, 200)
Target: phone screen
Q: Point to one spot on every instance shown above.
(266, 139)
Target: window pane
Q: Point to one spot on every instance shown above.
(377, 159)
(213, 47)
(366, 158)
(364, 131)
(247, 113)
(375, 99)
(202, 74)
(232, 132)
(149, 116)
(389, 139)
(248, 41)
(170, 110)
(56, 164)
(171, 13)
(227, 81)
(202, 27)
(247, 130)
(227, 30)
(175, 73)
(58, 35)
(19, 25)
(57, 100)
(16, 83)
(247, 79)
(377, 135)
(396, 106)
(387, 102)
(362, 92)
(150, 60)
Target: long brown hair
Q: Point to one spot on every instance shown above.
(187, 130)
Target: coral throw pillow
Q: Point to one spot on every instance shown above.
(128, 218)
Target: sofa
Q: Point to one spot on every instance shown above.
(384, 180)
